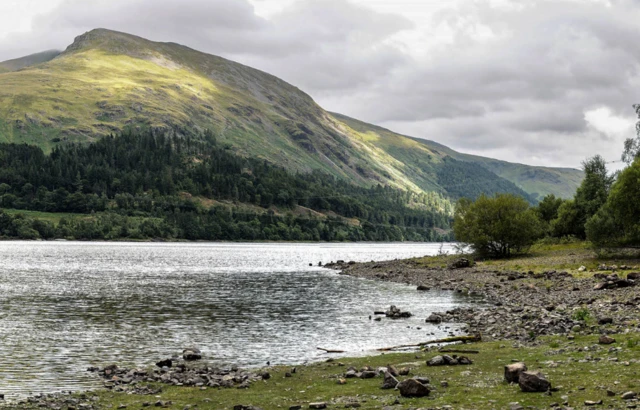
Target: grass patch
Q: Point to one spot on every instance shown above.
(44, 216)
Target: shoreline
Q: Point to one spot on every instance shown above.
(530, 303)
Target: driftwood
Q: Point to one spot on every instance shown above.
(330, 351)
(463, 339)
(459, 351)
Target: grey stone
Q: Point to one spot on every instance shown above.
(533, 382)
(413, 388)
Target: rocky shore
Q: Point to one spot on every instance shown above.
(522, 305)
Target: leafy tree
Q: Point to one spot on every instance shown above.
(589, 198)
(618, 221)
(497, 226)
(568, 221)
(548, 207)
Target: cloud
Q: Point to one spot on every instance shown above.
(545, 82)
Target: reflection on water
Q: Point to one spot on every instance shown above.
(65, 306)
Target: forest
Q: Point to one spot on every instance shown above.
(154, 185)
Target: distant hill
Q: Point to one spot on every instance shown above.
(537, 181)
(107, 81)
(28, 61)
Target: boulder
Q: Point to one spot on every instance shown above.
(630, 395)
(413, 388)
(512, 372)
(436, 361)
(606, 340)
(605, 321)
(533, 382)
(433, 318)
(319, 405)
(423, 288)
(191, 353)
(351, 374)
(165, 363)
(368, 374)
(634, 276)
(389, 381)
(464, 360)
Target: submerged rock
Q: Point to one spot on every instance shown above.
(395, 313)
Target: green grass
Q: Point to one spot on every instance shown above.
(44, 216)
(479, 386)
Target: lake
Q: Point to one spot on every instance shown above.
(65, 306)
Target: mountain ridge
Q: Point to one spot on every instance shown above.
(106, 81)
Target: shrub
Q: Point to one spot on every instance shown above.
(581, 314)
(497, 226)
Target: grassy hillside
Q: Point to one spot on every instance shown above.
(106, 81)
(537, 181)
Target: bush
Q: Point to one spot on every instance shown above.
(497, 227)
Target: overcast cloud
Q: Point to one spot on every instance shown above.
(543, 82)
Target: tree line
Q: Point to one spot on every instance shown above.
(144, 184)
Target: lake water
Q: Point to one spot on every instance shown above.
(65, 306)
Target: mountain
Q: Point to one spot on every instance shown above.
(28, 61)
(107, 81)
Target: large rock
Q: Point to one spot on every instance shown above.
(512, 372)
(368, 374)
(319, 405)
(533, 382)
(606, 340)
(634, 276)
(389, 381)
(191, 353)
(630, 395)
(436, 361)
(433, 318)
(413, 388)
(165, 363)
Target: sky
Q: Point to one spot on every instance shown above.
(541, 82)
